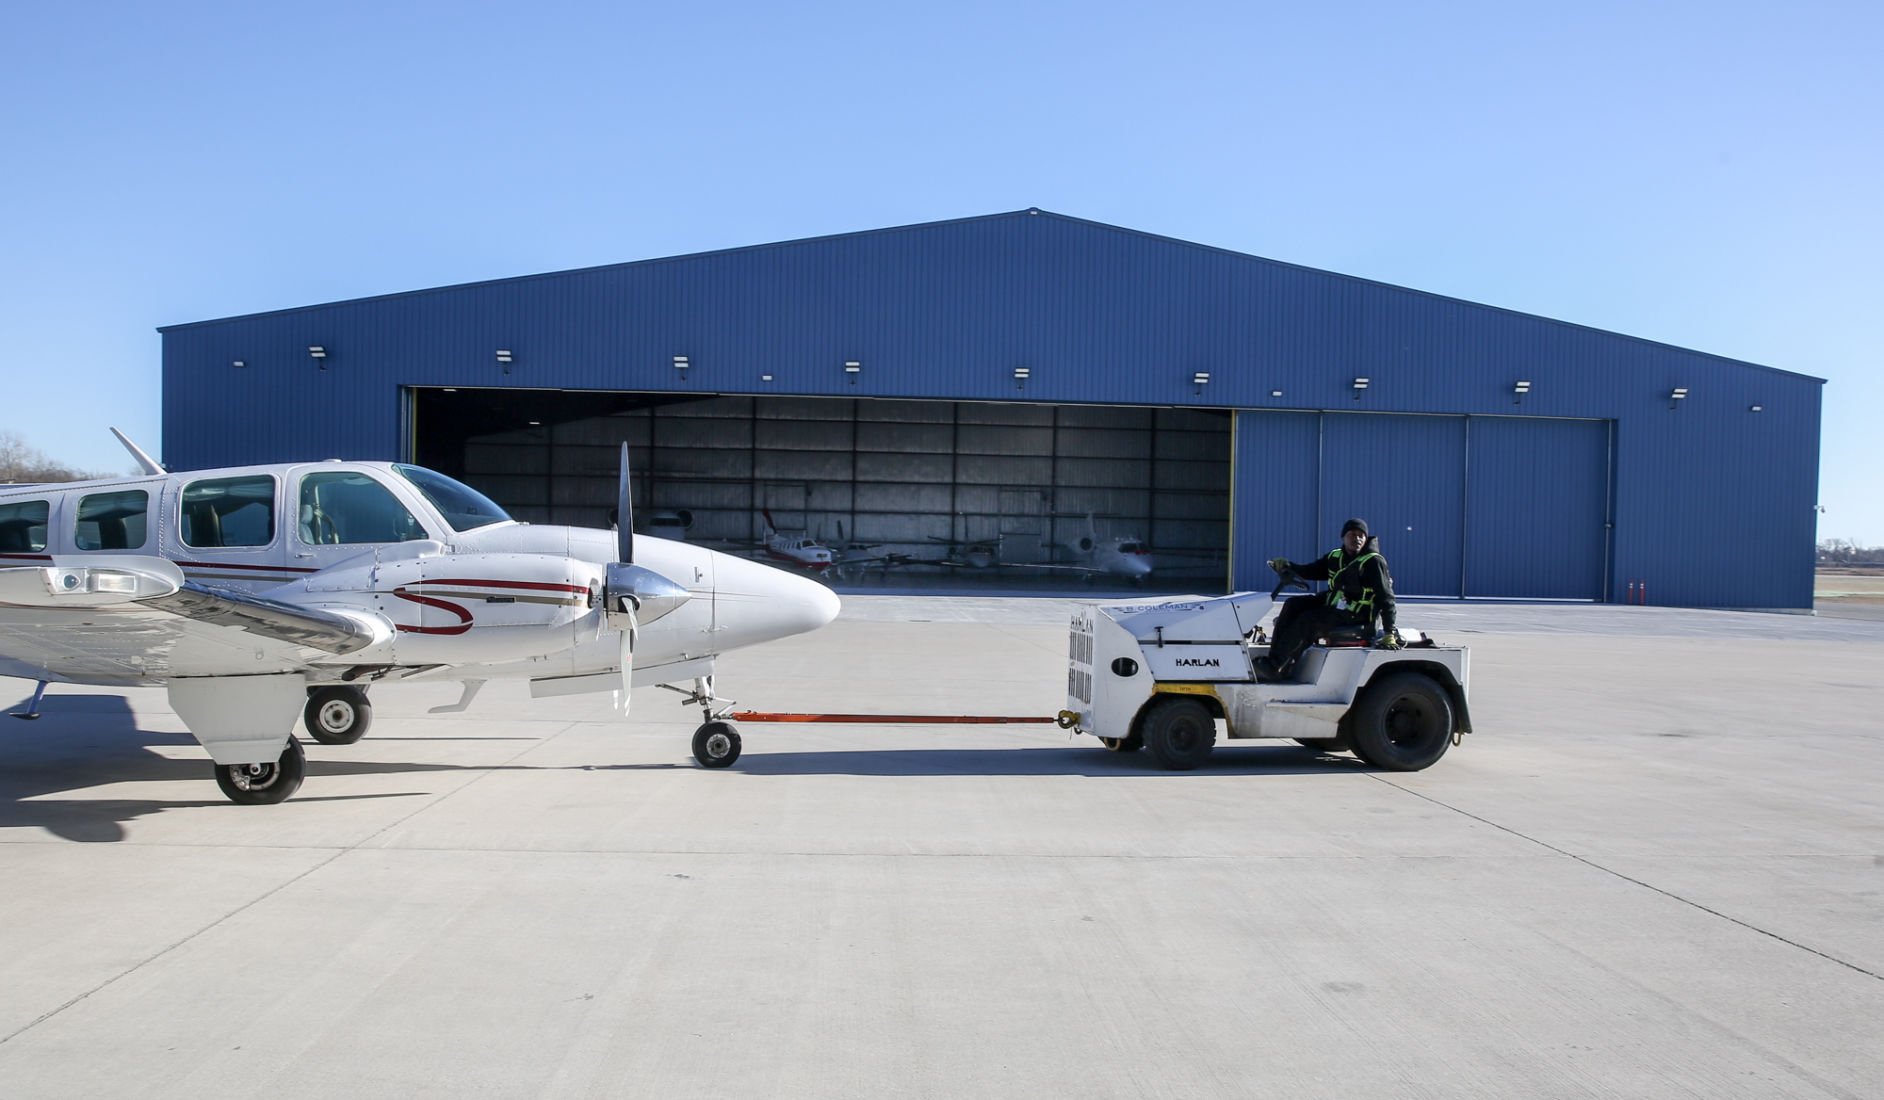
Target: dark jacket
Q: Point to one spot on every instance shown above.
(1358, 583)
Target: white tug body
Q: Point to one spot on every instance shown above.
(1159, 675)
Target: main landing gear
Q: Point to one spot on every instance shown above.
(337, 715)
(716, 742)
(264, 784)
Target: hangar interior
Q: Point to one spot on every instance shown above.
(912, 478)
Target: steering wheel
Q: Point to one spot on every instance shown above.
(1287, 578)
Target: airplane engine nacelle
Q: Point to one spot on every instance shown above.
(465, 608)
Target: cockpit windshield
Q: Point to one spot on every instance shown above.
(462, 506)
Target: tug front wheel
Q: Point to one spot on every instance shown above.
(1179, 731)
(716, 745)
(337, 715)
(264, 784)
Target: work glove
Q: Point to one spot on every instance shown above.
(1281, 565)
(1389, 640)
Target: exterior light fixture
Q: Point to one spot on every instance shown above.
(1518, 391)
(1021, 374)
(1753, 408)
(239, 363)
(1200, 379)
(448, 389)
(852, 367)
(1675, 398)
(319, 355)
(503, 357)
(1275, 393)
(681, 364)
(765, 378)
(1359, 385)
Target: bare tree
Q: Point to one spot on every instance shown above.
(20, 462)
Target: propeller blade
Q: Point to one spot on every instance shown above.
(624, 515)
(627, 661)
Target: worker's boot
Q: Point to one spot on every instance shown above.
(1266, 670)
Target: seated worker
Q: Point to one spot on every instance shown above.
(1358, 589)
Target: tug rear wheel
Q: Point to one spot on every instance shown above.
(1402, 723)
(264, 784)
(716, 745)
(1179, 731)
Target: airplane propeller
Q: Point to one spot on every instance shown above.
(633, 594)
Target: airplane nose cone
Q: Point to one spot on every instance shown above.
(756, 603)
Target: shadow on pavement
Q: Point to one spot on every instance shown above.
(1092, 762)
(86, 741)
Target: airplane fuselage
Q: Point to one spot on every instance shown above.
(494, 599)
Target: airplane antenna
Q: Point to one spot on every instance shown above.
(147, 462)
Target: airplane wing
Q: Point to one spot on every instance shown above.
(130, 619)
(1058, 567)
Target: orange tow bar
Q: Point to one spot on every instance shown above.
(883, 719)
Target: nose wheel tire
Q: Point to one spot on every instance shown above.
(264, 784)
(716, 745)
(337, 715)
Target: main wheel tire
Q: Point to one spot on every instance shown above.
(1402, 723)
(1179, 732)
(337, 715)
(264, 784)
(1131, 742)
(716, 745)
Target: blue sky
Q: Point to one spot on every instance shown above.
(1703, 174)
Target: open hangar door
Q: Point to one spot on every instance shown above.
(1479, 507)
(919, 482)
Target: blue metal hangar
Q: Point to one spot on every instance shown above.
(1029, 381)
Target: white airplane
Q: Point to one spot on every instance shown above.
(259, 594)
(1091, 556)
(793, 548)
(670, 525)
(985, 554)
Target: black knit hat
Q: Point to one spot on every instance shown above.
(1355, 525)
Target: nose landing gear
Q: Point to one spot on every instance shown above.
(716, 742)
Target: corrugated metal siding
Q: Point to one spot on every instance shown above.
(1098, 314)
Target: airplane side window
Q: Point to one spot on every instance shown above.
(23, 526)
(229, 511)
(112, 521)
(341, 507)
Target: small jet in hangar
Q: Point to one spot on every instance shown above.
(260, 594)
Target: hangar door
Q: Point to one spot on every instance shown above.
(1537, 508)
(1464, 506)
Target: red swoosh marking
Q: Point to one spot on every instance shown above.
(464, 617)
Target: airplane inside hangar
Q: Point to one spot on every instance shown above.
(957, 494)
